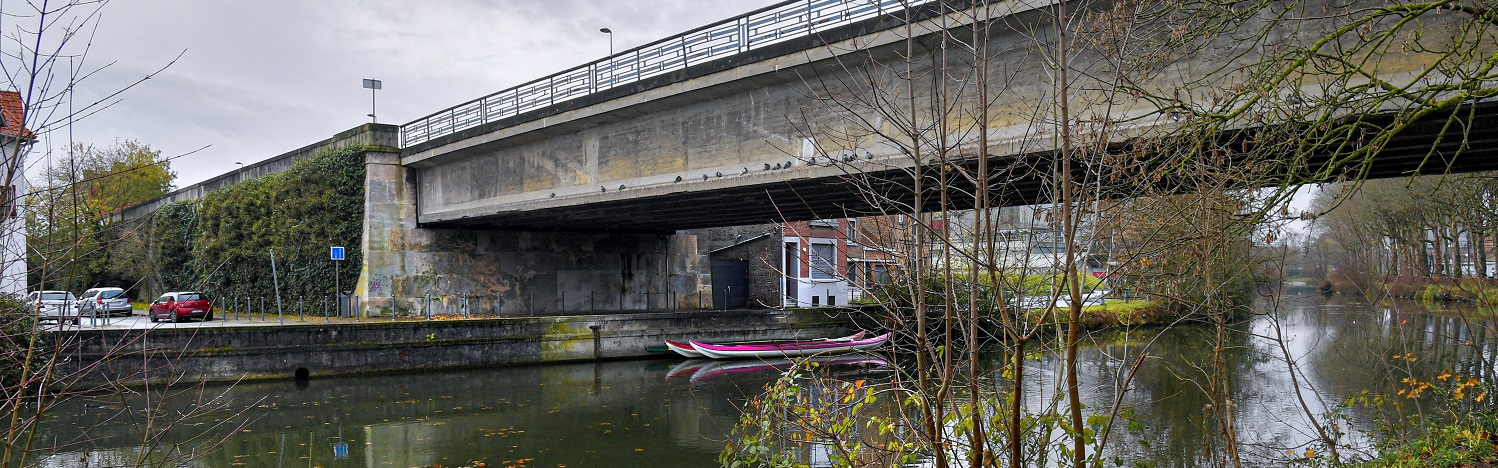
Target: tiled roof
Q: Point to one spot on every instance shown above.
(14, 113)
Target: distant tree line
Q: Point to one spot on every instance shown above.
(68, 240)
(1396, 235)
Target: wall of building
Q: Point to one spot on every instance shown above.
(810, 290)
(13, 278)
(758, 246)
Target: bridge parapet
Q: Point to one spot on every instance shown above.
(755, 30)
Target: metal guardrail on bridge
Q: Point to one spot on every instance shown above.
(754, 30)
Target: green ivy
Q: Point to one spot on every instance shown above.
(222, 243)
(172, 233)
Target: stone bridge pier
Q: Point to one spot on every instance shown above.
(410, 269)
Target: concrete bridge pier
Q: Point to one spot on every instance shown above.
(414, 270)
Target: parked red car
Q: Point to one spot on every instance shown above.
(182, 305)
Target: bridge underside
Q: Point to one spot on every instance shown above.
(1014, 181)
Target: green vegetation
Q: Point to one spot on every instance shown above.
(17, 320)
(221, 244)
(69, 243)
(1481, 292)
(1437, 421)
(1469, 444)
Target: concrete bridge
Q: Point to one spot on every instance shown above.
(582, 183)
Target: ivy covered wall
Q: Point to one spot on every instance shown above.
(222, 243)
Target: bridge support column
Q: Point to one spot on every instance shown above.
(411, 270)
(691, 278)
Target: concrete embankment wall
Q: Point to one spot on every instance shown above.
(260, 352)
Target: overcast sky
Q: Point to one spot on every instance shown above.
(263, 77)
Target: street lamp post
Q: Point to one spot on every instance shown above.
(611, 39)
(372, 85)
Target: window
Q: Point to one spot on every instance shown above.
(832, 223)
(823, 261)
(111, 294)
(852, 231)
(881, 274)
(9, 203)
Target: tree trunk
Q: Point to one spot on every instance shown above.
(1480, 247)
(1456, 251)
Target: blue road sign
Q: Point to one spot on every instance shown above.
(337, 253)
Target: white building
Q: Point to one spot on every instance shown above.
(15, 140)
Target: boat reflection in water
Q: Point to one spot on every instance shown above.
(699, 370)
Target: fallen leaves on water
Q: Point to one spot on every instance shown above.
(503, 432)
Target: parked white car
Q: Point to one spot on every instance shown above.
(100, 302)
(56, 306)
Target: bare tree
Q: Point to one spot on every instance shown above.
(44, 60)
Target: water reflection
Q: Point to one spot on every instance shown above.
(672, 412)
(615, 413)
(1339, 348)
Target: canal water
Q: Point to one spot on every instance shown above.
(675, 413)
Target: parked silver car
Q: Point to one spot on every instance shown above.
(55, 306)
(99, 302)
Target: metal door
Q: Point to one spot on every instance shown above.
(730, 284)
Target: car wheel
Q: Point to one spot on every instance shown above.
(153, 318)
(77, 321)
(208, 318)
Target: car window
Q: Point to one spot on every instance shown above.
(57, 296)
(193, 297)
(111, 294)
(165, 298)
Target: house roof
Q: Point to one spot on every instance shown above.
(13, 115)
